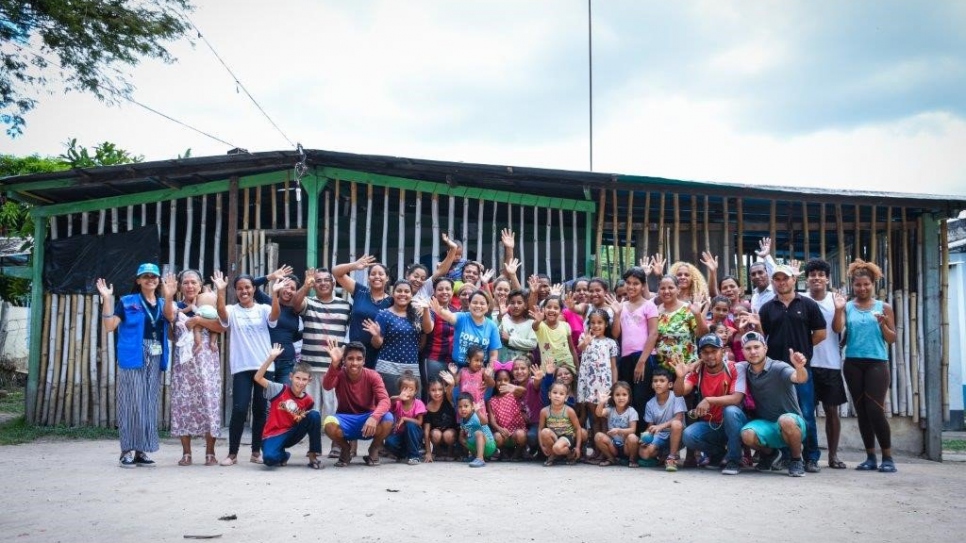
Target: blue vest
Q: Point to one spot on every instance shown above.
(130, 334)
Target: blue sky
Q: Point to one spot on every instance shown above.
(865, 95)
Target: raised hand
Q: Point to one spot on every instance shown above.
(536, 371)
(747, 320)
(764, 247)
(447, 377)
(839, 300)
(710, 261)
(104, 289)
(434, 305)
(218, 279)
(584, 341)
(364, 262)
(557, 289)
(699, 303)
(613, 303)
(795, 264)
(449, 243)
(603, 397)
(453, 368)
(372, 327)
(551, 367)
(420, 305)
(657, 265)
(536, 314)
(335, 352)
(681, 369)
(169, 286)
(276, 350)
(645, 262)
(507, 237)
(281, 272)
(488, 372)
(309, 278)
(512, 266)
(487, 275)
(533, 282)
(280, 284)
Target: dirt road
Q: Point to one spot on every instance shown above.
(74, 491)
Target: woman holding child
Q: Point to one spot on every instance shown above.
(196, 368)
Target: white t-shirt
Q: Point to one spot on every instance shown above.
(827, 354)
(248, 337)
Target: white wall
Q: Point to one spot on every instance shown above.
(957, 324)
(13, 336)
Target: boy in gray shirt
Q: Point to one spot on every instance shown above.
(779, 421)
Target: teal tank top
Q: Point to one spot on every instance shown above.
(863, 337)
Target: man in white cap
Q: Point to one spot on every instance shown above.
(794, 323)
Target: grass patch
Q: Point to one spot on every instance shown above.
(13, 402)
(954, 445)
(18, 430)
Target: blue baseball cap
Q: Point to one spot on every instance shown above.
(148, 267)
(709, 340)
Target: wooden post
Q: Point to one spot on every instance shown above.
(204, 235)
(617, 242)
(189, 230)
(258, 208)
(418, 231)
(546, 252)
(384, 256)
(821, 230)
(287, 198)
(436, 234)
(83, 346)
(366, 245)
(273, 190)
(466, 225)
(573, 239)
(646, 227)
(677, 228)
(873, 235)
(933, 305)
(53, 362)
(900, 379)
(451, 214)
(707, 226)
(496, 250)
(695, 252)
(336, 211)
(172, 234)
(563, 246)
(522, 250)
(246, 208)
(740, 250)
(216, 242)
(806, 245)
(479, 234)
(661, 249)
(232, 236)
(773, 226)
(857, 251)
(401, 239)
(41, 388)
(325, 232)
(353, 219)
(840, 234)
(726, 223)
(601, 211)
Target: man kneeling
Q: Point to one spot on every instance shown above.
(780, 422)
(290, 415)
(362, 410)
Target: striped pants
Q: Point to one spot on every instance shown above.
(138, 395)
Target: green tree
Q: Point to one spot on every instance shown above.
(94, 41)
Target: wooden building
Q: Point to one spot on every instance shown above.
(249, 212)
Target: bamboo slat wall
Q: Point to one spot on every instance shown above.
(77, 371)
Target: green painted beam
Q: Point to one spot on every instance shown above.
(211, 187)
(463, 192)
(36, 319)
(313, 185)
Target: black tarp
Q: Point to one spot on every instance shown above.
(72, 265)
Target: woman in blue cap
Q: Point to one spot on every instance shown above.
(142, 344)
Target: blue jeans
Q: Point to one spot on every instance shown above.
(806, 401)
(720, 440)
(273, 448)
(406, 443)
(246, 394)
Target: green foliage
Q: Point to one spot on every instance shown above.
(92, 40)
(18, 430)
(954, 445)
(105, 154)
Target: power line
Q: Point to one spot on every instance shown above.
(116, 92)
(235, 77)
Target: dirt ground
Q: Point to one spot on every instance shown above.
(74, 491)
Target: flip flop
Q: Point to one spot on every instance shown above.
(344, 458)
(604, 463)
(837, 464)
(551, 460)
(315, 464)
(887, 466)
(868, 465)
(371, 460)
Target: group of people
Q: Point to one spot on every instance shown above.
(461, 362)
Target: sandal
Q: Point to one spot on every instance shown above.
(572, 458)
(315, 464)
(632, 464)
(671, 464)
(604, 463)
(551, 460)
(836, 464)
(887, 466)
(185, 460)
(345, 456)
(211, 460)
(256, 458)
(868, 465)
(229, 461)
(371, 460)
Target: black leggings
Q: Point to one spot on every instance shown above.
(640, 392)
(868, 382)
(246, 393)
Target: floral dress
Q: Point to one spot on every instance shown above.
(195, 385)
(676, 337)
(594, 375)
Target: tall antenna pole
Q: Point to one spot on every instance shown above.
(590, 80)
